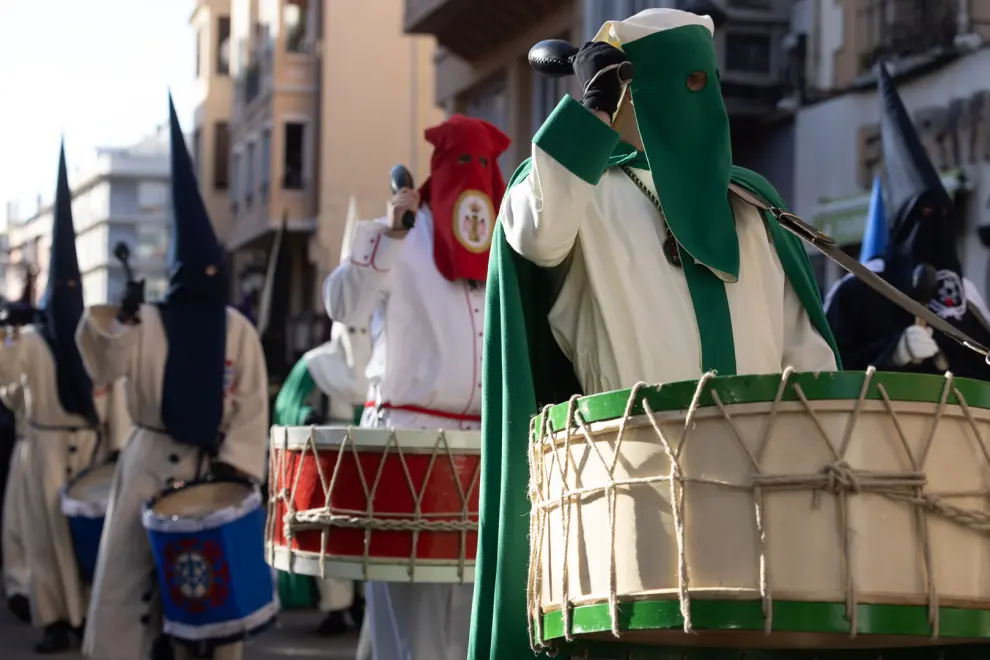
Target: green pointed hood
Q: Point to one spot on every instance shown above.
(684, 127)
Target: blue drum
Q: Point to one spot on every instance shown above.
(84, 502)
(208, 539)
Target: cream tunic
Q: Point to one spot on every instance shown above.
(624, 314)
(16, 571)
(62, 445)
(124, 619)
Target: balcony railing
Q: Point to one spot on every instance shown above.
(251, 83)
(902, 28)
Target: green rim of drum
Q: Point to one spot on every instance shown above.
(788, 616)
(915, 388)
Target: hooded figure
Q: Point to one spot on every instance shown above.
(424, 291)
(869, 329)
(67, 428)
(15, 560)
(197, 392)
(622, 256)
(327, 387)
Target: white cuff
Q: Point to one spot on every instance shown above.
(372, 248)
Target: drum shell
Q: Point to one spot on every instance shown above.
(446, 477)
(804, 555)
(86, 517)
(237, 597)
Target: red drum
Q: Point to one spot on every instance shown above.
(374, 504)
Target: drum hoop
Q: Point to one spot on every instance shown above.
(253, 622)
(174, 524)
(732, 390)
(298, 437)
(323, 519)
(76, 508)
(837, 479)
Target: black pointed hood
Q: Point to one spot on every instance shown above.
(62, 305)
(920, 209)
(194, 310)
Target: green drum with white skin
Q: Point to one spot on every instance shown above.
(776, 514)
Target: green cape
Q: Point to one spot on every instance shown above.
(523, 370)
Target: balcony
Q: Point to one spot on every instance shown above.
(895, 29)
(250, 84)
(471, 29)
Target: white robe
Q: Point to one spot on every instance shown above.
(624, 314)
(62, 445)
(427, 336)
(124, 618)
(16, 571)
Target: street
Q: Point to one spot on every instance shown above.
(292, 638)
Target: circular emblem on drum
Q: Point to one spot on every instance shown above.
(474, 221)
(197, 575)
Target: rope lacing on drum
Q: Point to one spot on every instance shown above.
(551, 452)
(329, 517)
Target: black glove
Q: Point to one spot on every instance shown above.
(131, 302)
(604, 92)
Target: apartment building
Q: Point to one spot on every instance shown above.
(303, 133)
(118, 194)
(481, 66)
(937, 51)
(210, 24)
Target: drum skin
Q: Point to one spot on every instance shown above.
(446, 479)
(842, 461)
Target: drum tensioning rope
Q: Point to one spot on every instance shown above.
(837, 478)
(329, 517)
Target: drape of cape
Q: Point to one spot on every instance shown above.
(123, 618)
(61, 446)
(523, 369)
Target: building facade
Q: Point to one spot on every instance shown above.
(118, 195)
(307, 131)
(210, 148)
(481, 66)
(937, 51)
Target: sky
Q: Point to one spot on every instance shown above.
(97, 71)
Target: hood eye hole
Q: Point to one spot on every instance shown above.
(697, 81)
(464, 159)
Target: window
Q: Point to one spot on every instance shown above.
(221, 155)
(747, 53)
(223, 46)
(489, 102)
(294, 22)
(266, 162)
(249, 175)
(197, 151)
(293, 162)
(199, 52)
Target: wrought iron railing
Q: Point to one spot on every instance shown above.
(890, 29)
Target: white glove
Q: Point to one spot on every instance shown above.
(915, 345)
